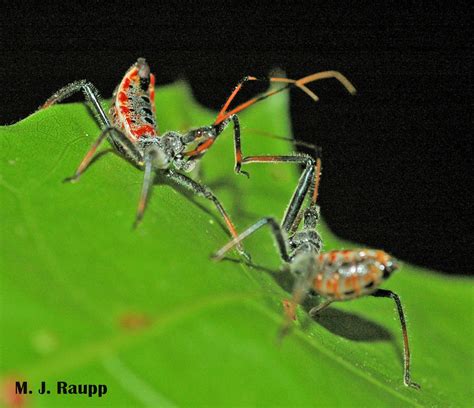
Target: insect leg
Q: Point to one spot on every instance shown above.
(237, 147)
(204, 191)
(146, 186)
(91, 94)
(310, 214)
(305, 183)
(118, 139)
(294, 219)
(318, 309)
(406, 369)
(277, 233)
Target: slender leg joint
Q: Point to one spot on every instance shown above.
(406, 349)
(237, 147)
(316, 311)
(277, 233)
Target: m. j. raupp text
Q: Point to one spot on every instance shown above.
(62, 388)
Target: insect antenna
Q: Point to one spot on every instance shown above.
(291, 83)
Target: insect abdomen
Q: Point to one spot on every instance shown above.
(133, 110)
(347, 274)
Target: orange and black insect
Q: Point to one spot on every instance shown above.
(335, 275)
(132, 130)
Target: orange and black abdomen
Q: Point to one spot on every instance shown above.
(347, 274)
(133, 109)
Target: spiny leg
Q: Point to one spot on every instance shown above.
(406, 349)
(91, 94)
(277, 233)
(118, 139)
(204, 191)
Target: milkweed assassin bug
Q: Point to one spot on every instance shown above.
(132, 130)
(335, 275)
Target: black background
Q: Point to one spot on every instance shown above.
(397, 157)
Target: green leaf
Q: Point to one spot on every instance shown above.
(86, 299)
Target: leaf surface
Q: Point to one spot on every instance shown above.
(86, 299)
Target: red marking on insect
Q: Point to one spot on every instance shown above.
(318, 282)
(356, 284)
(347, 284)
(132, 74)
(336, 292)
(329, 283)
(152, 92)
(373, 275)
(142, 130)
(122, 97)
(347, 254)
(381, 256)
(332, 286)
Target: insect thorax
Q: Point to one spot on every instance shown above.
(166, 150)
(306, 241)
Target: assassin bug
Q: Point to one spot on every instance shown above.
(336, 275)
(132, 130)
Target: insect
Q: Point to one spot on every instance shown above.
(132, 130)
(337, 275)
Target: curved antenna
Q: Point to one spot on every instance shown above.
(223, 112)
(291, 83)
(325, 75)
